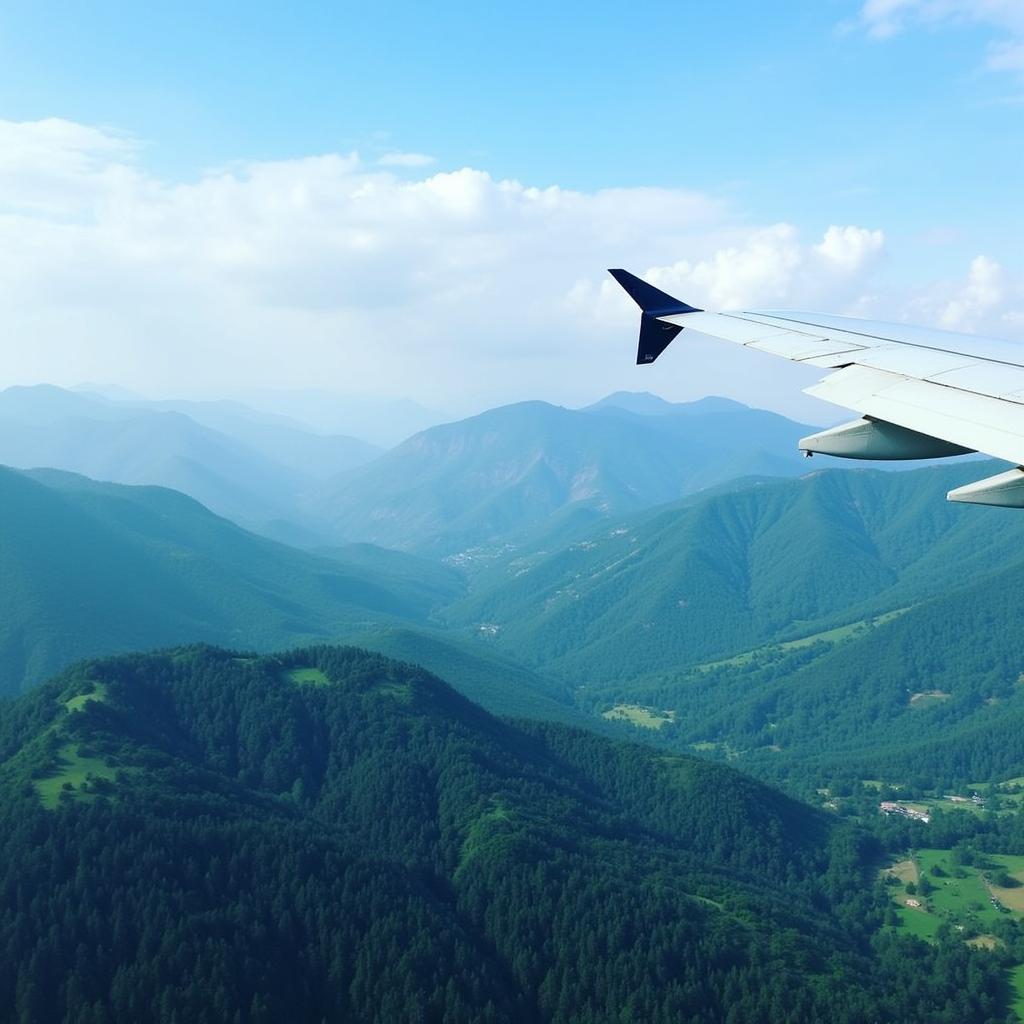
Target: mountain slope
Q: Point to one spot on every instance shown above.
(849, 623)
(317, 456)
(713, 577)
(932, 696)
(90, 568)
(485, 676)
(329, 835)
(247, 467)
(498, 475)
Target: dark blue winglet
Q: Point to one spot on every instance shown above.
(655, 335)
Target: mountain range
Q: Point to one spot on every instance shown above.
(356, 838)
(329, 835)
(488, 480)
(846, 622)
(493, 479)
(246, 465)
(564, 593)
(88, 567)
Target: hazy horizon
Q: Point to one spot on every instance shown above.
(176, 221)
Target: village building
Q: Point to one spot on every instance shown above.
(891, 807)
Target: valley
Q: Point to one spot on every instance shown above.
(839, 636)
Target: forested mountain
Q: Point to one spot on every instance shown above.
(788, 623)
(494, 680)
(932, 696)
(317, 456)
(849, 623)
(247, 466)
(89, 568)
(712, 577)
(497, 476)
(328, 835)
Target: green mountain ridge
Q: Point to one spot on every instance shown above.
(89, 568)
(715, 576)
(326, 834)
(848, 624)
(92, 568)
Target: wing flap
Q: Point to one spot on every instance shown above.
(913, 362)
(974, 421)
(800, 347)
(984, 378)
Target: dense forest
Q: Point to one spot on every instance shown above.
(201, 835)
(850, 624)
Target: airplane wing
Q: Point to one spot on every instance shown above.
(920, 393)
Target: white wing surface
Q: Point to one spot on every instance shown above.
(919, 393)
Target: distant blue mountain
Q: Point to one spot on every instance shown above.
(491, 478)
(240, 463)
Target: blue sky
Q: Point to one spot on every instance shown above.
(905, 116)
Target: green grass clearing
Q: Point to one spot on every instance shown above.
(307, 677)
(828, 636)
(73, 769)
(963, 902)
(919, 923)
(98, 693)
(489, 829)
(960, 900)
(640, 716)
(389, 688)
(708, 747)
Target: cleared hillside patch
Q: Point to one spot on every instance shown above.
(98, 694)
(1009, 896)
(641, 716)
(928, 698)
(960, 895)
(307, 677)
(73, 773)
(836, 635)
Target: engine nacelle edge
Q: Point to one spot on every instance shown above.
(869, 438)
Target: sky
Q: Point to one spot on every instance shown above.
(412, 200)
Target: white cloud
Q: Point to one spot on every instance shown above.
(773, 267)
(406, 160)
(988, 300)
(329, 272)
(883, 19)
(980, 295)
(56, 166)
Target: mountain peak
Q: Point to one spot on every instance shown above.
(645, 403)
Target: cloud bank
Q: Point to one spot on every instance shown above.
(453, 287)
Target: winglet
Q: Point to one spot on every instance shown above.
(655, 334)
